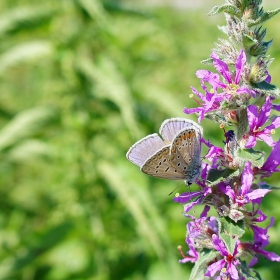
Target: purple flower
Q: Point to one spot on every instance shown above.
(256, 250)
(260, 234)
(219, 158)
(233, 83)
(271, 164)
(244, 194)
(257, 118)
(227, 265)
(192, 254)
(211, 100)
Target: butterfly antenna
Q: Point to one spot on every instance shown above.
(175, 189)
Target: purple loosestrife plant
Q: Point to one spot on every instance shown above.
(239, 94)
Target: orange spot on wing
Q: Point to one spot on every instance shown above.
(191, 135)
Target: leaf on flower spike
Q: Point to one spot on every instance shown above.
(216, 176)
(255, 157)
(208, 61)
(248, 40)
(224, 8)
(201, 264)
(230, 232)
(267, 187)
(264, 17)
(248, 273)
(267, 88)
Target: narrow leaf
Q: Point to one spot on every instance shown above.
(265, 16)
(255, 157)
(216, 176)
(201, 264)
(224, 8)
(230, 232)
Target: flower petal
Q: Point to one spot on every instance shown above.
(214, 268)
(233, 271)
(239, 64)
(212, 78)
(221, 67)
(247, 178)
(187, 196)
(219, 245)
(251, 142)
(264, 112)
(257, 194)
(252, 112)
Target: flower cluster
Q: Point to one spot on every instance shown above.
(238, 94)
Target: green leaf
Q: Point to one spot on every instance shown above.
(255, 157)
(267, 187)
(264, 17)
(208, 61)
(216, 176)
(248, 40)
(201, 264)
(248, 273)
(26, 124)
(28, 51)
(265, 87)
(226, 9)
(24, 18)
(228, 226)
(230, 232)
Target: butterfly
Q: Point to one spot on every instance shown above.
(175, 155)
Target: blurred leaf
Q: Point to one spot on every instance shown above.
(22, 18)
(30, 149)
(30, 51)
(50, 239)
(24, 125)
(107, 83)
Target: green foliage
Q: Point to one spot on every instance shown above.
(217, 176)
(230, 232)
(255, 157)
(201, 264)
(81, 81)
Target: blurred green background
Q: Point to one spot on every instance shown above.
(80, 82)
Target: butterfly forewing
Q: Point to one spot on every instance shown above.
(159, 165)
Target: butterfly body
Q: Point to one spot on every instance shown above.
(175, 156)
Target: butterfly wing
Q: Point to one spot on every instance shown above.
(144, 148)
(171, 127)
(159, 165)
(185, 153)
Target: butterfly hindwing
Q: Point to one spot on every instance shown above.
(159, 165)
(185, 152)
